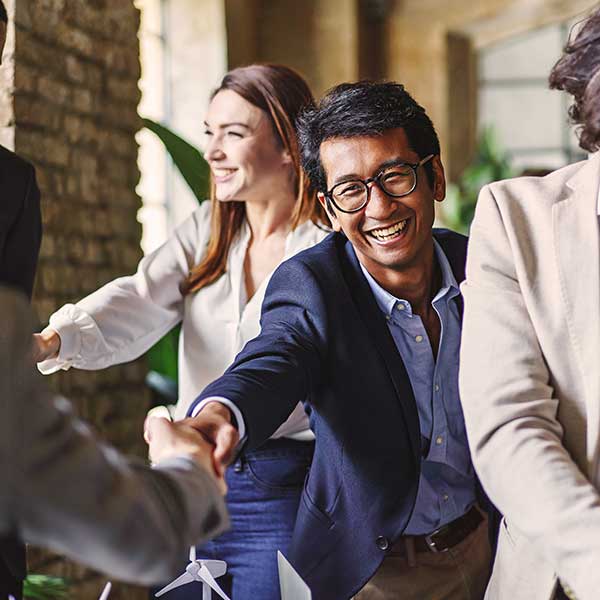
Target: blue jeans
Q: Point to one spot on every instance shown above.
(264, 488)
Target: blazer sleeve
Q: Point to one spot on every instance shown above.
(65, 490)
(22, 242)
(282, 365)
(511, 411)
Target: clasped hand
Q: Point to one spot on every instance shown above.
(209, 438)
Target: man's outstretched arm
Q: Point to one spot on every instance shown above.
(274, 371)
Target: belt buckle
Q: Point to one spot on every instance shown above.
(431, 543)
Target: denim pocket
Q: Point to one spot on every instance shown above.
(284, 473)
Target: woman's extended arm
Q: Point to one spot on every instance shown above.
(124, 318)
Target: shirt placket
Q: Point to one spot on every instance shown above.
(414, 332)
(439, 448)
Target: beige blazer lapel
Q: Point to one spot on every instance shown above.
(577, 252)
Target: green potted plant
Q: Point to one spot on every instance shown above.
(491, 163)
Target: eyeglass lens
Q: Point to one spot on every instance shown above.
(396, 181)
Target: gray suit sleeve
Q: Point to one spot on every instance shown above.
(68, 492)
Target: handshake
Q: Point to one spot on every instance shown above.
(209, 439)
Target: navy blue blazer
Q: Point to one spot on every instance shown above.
(324, 341)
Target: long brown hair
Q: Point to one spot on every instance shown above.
(281, 93)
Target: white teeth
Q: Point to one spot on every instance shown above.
(386, 232)
(222, 172)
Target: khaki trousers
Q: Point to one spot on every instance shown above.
(460, 573)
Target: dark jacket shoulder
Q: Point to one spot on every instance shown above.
(12, 163)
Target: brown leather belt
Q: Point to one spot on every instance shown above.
(445, 537)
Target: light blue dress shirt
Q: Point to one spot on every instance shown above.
(447, 482)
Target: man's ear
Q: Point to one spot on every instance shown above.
(326, 204)
(439, 179)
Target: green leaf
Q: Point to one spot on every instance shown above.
(45, 587)
(162, 357)
(186, 157)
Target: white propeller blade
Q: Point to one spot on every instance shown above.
(181, 580)
(199, 570)
(105, 591)
(208, 579)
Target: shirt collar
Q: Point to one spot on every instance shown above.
(387, 301)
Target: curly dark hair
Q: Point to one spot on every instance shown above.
(3, 15)
(365, 108)
(578, 73)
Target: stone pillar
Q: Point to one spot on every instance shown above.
(319, 38)
(74, 69)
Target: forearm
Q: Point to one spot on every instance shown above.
(139, 529)
(264, 387)
(113, 325)
(125, 317)
(87, 501)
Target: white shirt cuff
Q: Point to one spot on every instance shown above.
(230, 405)
(69, 331)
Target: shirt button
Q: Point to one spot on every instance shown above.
(437, 387)
(419, 339)
(438, 440)
(387, 317)
(382, 543)
(445, 497)
(400, 306)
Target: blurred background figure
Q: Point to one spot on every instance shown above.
(61, 488)
(20, 239)
(211, 276)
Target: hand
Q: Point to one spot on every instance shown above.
(214, 423)
(167, 439)
(45, 345)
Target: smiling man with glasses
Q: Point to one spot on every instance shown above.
(365, 329)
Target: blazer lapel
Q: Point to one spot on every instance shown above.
(376, 325)
(577, 252)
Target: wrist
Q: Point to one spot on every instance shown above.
(51, 340)
(215, 407)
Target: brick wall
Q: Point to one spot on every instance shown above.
(74, 65)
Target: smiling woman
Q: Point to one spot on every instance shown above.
(211, 276)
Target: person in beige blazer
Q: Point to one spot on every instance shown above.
(530, 358)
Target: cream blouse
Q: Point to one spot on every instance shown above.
(124, 318)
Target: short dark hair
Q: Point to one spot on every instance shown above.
(577, 72)
(3, 15)
(365, 108)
